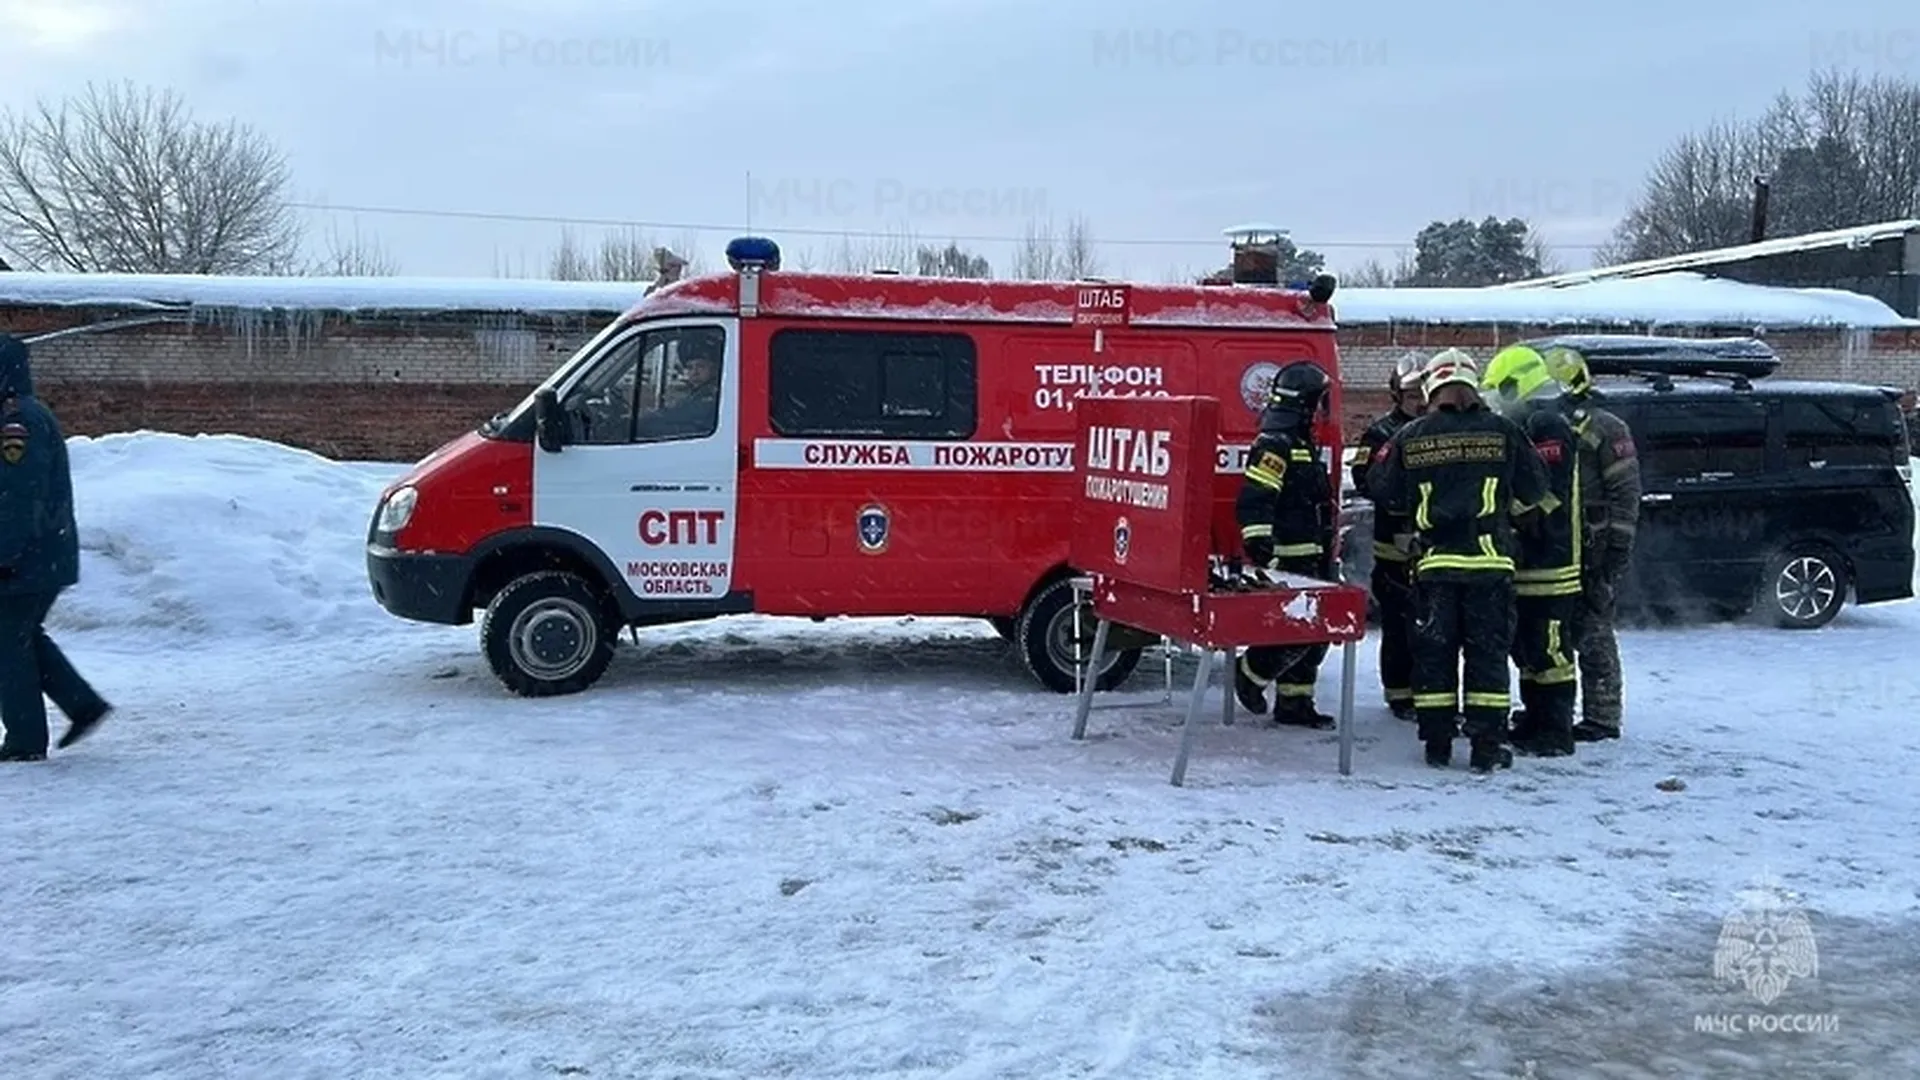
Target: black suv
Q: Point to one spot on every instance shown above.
(1759, 495)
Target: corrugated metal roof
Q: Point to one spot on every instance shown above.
(1858, 236)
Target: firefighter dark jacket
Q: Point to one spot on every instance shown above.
(39, 546)
(1462, 475)
(1609, 484)
(1285, 506)
(1548, 554)
(1391, 531)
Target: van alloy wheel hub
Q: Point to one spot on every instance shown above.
(1070, 640)
(553, 639)
(1805, 588)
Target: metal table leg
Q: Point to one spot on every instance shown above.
(1198, 698)
(1349, 660)
(1232, 657)
(1087, 680)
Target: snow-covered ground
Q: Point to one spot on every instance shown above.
(318, 842)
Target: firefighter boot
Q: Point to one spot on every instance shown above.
(1402, 710)
(1588, 731)
(1291, 711)
(1440, 753)
(1489, 755)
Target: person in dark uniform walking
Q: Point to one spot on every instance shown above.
(1462, 473)
(1392, 579)
(1285, 512)
(1546, 579)
(39, 558)
(1609, 470)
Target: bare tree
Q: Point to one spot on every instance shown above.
(890, 251)
(1375, 274)
(1036, 257)
(354, 256)
(952, 261)
(623, 255)
(1078, 256)
(1845, 153)
(125, 180)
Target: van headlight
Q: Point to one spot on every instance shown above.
(398, 509)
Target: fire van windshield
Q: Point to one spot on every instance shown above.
(501, 420)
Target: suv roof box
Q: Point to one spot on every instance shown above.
(1638, 354)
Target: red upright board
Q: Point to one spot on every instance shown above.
(1144, 513)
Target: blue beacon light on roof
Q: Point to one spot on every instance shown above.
(757, 251)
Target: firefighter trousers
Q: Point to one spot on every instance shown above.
(1392, 586)
(1462, 634)
(31, 665)
(1292, 670)
(1545, 632)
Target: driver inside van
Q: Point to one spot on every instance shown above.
(692, 409)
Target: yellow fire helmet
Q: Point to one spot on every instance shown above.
(1569, 369)
(1517, 375)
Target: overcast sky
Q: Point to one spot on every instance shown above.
(1158, 121)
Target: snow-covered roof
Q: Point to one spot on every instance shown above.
(321, 293)
(1859, 236)
(1672, 299)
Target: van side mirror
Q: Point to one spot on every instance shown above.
(549, 427)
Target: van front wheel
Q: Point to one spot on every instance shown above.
(548, 634)
(1055, 636)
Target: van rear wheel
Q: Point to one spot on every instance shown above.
(1804, 587)
(548, 634)
(1052, 631)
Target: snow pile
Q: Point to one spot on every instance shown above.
(1677, 299)
(218, 535)
(1672, 299)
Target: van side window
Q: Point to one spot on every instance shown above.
(657, 386)
(1827, 432)
(1690, 438)
(872, 383)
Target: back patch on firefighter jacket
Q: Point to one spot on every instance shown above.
(1430, 451)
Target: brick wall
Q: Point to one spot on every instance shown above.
(393, 387)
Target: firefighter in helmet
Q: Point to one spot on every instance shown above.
(1461, 473)
(1546, 579)
(1285, 513)
(1391, 582)
(1609, 470)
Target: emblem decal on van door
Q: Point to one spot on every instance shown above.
(1122, 540)
(872, 527)
(1255, 383)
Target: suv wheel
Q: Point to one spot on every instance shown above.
(1052, 630)
(548, 634)
(1804, 587)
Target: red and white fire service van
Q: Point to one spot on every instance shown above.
(795, 444)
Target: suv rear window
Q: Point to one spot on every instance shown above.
(1834, 431)
(1703, 437)
(872, 383)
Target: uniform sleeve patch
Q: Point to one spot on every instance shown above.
(1272, 462)
(1552, 451)
(1382, 454)
(1623, 448)
(13, 443)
